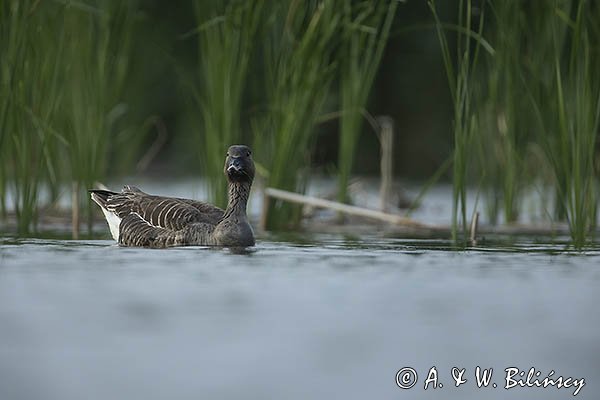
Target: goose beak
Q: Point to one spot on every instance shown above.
(235, 166)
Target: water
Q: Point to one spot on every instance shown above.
(323, 317)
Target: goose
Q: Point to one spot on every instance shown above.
(139, 219)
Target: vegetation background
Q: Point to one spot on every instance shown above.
(501, 95)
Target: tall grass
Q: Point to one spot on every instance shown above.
(226, 35)
(96, 63)
(503, 133)
(269, 67)
(460, 73)
(12, 31)
(572, 149)
(366, 27)
(536, 91)
(31, 96)
(63, 72)
(555, 100)
(299, 64)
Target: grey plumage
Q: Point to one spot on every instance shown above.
(154, 221)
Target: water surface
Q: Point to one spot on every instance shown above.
(319, 317)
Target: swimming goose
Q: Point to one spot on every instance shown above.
(138, 219)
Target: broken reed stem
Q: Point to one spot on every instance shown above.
(75, 210)
(474, 226)
(342, 208)
(386, 140)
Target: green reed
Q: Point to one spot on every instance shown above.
(460, 73)
(503, 133)
(560, 52)
(10, 21)
(366, 27)
(575, 125)
(534, 101)
(64, 68)
(30, 99)
(226, 35)
(299, 65)
(96, 67)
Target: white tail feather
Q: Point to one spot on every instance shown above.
(113, 222)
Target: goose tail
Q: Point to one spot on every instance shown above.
(100, 197)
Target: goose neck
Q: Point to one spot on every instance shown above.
(237, 199)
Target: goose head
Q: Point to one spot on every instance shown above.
(239, 166)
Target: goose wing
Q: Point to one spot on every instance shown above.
(136, 231)
(161, 212)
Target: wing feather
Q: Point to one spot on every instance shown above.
(137, 231)
(156, 221)
(163, 212)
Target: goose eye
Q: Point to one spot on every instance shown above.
(248, 153)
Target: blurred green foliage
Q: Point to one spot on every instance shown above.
(83, 82)
(530, 113)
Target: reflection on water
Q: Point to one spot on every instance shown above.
(325, 317)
